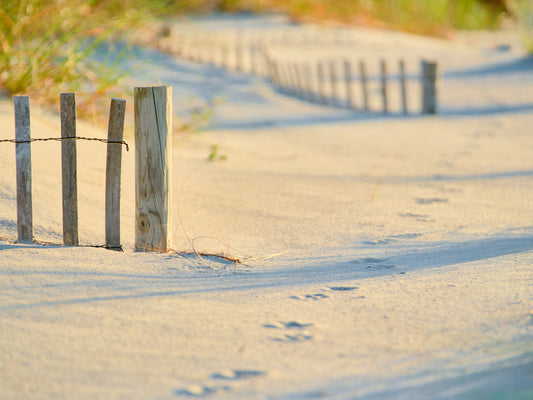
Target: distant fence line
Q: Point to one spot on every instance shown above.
(329, 81)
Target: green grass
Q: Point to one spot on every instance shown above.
(523, 10)
(47, 47)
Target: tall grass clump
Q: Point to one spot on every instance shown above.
(51, 46)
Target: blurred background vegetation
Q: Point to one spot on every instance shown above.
(50, 46)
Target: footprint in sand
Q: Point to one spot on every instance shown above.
(237, 374)
(315, 296)
(200, 390)
(343, 288)
(289, 336)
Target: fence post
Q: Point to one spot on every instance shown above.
(402, 87)
(113, 171)
(153, 168)
(23, 162)
(429, 87)
(364, 84)
(384, 86)
(333, 81)
(321, 82)
(69, 169)
(348, 79)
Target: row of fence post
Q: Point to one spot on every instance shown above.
(68, 170)
(153, 169)
(296, 78)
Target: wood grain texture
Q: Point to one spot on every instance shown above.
(153, 168)
(69, 169)
(113, 172)
(23, 164)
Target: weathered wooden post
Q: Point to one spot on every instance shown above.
(429, 87)
(403, 89)
(153, 168)
(348, 81)
(364, 84)
(239, 64)
(299, 82)
(384, 93)
(113, 171)
(308, 82)
(69, 168)
(333, 81)
(23, 163)
(321, 83)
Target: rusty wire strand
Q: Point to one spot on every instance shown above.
(66, 138)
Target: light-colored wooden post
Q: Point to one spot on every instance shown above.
(384, 93)
(113, 171)
(153, 168)
(225, 56)
(69, 169)
(253, 50)
(429, 87)
(364, 84)
(308, 82)
(239, 57)
(321, 83)
(403, 89)
(23, 162)
(292, 80)
(348, 80)
(299, 83)
(333, 81)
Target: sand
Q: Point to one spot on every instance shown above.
(384, 256)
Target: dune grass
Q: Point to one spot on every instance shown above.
(523, 11)
(435, 17)
(50, 46)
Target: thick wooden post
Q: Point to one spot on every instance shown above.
(403, 89)
(153, 168)
(23, 162)
(429, 87)
(364, 84)
(113, 171)
(348, 81)
(384, 93)
(69, 169)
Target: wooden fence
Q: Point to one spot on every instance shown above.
(153, 169)
(68, 140)
(329, 82)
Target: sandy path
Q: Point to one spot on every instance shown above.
(405, 269)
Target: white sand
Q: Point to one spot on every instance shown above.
(398, 253)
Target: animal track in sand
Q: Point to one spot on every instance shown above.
(290, 337)
(226, 375)
(237, 374)
(343, 288)
(200, 390)
(417, 217)
(316, 296)
(420, 200)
